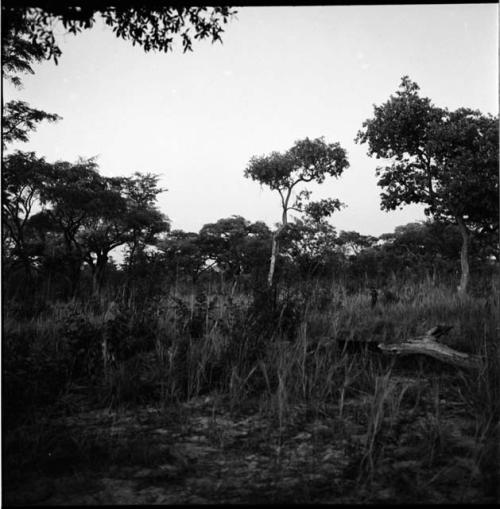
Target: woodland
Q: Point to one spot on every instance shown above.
(247, 363)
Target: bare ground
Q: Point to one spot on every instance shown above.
(211, 450)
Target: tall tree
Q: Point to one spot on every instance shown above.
(129, 216)
(447, 161)
(144, 220)
(84, 214)
(104, 230)
(24, 176)
(74, 195)
(465, 148)
(306, 161)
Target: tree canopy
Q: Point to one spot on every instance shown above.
(445, 160)
(232, 242)
(151, 27)
(70, 211)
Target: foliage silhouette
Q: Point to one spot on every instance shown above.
(153, 28)
(306, 161)
(446, 160)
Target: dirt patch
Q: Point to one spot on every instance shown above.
(201, 452)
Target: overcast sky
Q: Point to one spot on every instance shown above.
(281, 74)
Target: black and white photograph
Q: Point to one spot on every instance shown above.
(250, 254)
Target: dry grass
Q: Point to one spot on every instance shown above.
(185, 345)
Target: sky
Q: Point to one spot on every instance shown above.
(281, 74)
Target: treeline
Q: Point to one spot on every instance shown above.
(237, 248)
(62, 221)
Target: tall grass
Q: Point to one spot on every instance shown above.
(197, 342)
(310, 348)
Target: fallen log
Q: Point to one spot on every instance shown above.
(427, 344)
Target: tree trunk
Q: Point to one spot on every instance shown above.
(275, 249)
(26, 263)
(464, 257)
(74, 270)
(98, 275)
(24, 258)
(274, 254)
(90, 262)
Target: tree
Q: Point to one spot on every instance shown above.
(153, 28)
(129, 217)
(18, 55)
(24, 176)
(183, 254)
(310, 244)
(88, 215)
(18, 52)
(229, 242)
(465, 148)
(447, 161)
(19, 119)
(73, 196)
(307, 161)
(84, 215)
(144, 220)
(104, 230)
(256, 252)
(424, 248)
